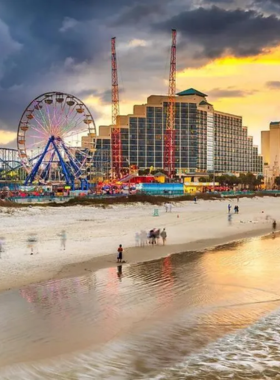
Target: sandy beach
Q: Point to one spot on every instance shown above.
(93, 235)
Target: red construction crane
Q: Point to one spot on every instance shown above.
(169, 139)
(116, 143)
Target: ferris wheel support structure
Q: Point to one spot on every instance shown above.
(54, 123)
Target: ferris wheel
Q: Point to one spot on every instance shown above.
(49, 140)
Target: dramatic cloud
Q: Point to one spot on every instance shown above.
(65, 46)
(105, 96)
(218, 93)
(217, 31)
(8, 45)
(135, 14)
(267, 2)
(68, 23)
(274, 85)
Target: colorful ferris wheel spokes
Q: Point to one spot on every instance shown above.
(49, 139)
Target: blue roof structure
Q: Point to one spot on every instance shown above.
(191, 91)
(204, 103)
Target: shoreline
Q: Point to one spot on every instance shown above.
(94, 233)
(150, 253)
(134, 255)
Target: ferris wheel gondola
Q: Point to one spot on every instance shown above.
(49, 139)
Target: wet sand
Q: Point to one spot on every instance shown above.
(141, 254)
(93, 235)
(156, 316)
(131, 255)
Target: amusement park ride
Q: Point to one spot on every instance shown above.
(169, 138)
(116, 131)
(49, 140)
(50, 131)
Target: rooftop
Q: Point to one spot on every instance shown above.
(204, 103)
(191, 91)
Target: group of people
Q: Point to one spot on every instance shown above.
(236, 209)
(142, 239)
(168, 207)
(155, 235)
(32, 242)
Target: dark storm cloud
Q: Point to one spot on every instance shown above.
(267, 2)
(216, 31)
(229, 92)
(267, 6)
(105, 96)
(50, 31)
(274, 85)
(135, 14)
(38, 39)
(206, 2)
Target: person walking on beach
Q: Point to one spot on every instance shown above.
(229, 208)
(120, 254)
(143, 238)
(31, 242)
(166, 206)
(170, 207)
(195, 200)
(137, 239)
(163, 236)
(1, 246)
(63, 240)
(274, 225)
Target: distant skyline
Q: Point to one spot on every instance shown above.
(228, 49)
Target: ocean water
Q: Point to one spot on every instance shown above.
(210, 315)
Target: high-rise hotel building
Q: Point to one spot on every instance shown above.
(206, 140)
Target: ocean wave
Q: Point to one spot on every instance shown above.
(252, 353)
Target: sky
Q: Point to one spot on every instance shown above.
(228, 49)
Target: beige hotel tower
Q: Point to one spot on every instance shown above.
(270, 146)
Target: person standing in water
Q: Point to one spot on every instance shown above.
(120, 254)
(274, 225)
